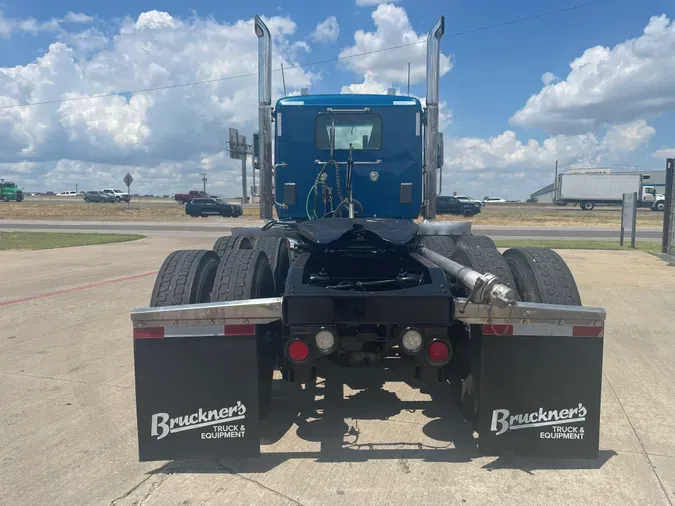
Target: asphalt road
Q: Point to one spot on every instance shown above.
(204, 228)
(519, 206)
(143, 201)
(68, 414)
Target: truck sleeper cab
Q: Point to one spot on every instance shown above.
(385, 135)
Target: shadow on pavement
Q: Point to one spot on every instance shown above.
(321, 414)
(529, 464)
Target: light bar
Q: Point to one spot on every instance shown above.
(194, 331)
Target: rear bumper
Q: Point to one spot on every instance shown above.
(540, 378)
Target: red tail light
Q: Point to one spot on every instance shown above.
(298, 351)
(438, 352)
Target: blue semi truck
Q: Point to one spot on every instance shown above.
(345, 274)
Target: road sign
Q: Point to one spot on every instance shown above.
(127, 181)
(234, 140)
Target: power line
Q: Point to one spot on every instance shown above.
(529, 18)
(319, 62)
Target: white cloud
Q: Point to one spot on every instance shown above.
(549, 78)
(632, 80)
(34, 27)
(370, 85)
(627, 137)
(392, 29)
(664, 153)
(517, 168)
(156, 19)
(326, 31)
(77, 17)
(162, 137)
(6, 26)
(367, 3)
(505, 151)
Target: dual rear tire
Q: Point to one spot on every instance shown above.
(237, 268)
(537, 275)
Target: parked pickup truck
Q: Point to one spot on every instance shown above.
(212, 206)
(452, 205)
(183, 198)
(117, 195)
(94, 196)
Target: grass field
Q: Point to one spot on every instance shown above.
(50, 240)
(557, 218)
(649, 247)
(100, 212)
(140, 211)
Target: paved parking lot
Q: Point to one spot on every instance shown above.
(68, 422)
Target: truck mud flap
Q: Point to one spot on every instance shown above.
(540, 390)
(196, 392)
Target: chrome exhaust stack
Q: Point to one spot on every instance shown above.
(265, 117)
(431, 130)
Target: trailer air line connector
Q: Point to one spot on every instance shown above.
(485, 288)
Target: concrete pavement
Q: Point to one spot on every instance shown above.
(211, 227)
(68, 417)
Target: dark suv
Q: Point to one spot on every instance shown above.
(93, 196)
(451, 205)
(208, 207)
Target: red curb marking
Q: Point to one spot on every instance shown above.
(76, 288)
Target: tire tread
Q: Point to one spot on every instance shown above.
(442, 244)
(279, 262)
(541, 275)
(475, 241)
(235, 276)
(485, 260)
(228, 242)
(175, 279)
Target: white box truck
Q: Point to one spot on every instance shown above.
(589, 190)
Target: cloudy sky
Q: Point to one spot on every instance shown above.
(591, 86)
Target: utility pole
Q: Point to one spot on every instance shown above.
(204, 180)
(555, 181)
(244, 189)
(239, 150)
(76, 185)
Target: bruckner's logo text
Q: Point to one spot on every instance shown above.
(162, 424)
(503, 420)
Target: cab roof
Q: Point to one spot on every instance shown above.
(349, 100)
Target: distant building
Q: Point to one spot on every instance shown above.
(544, 196)
(656, 178)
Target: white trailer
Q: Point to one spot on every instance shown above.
(589, 190)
